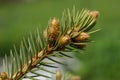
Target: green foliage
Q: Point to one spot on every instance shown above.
(34, 49)
(25, 17)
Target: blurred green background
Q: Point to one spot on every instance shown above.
(101, 59)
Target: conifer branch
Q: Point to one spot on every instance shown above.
(70, 34)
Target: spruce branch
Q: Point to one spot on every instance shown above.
(71, 33)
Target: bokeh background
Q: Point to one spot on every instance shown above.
(100, 60)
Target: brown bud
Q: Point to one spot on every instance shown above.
(75, 78)
(53, 34)
(4, 75)
(94, 14)
(64, 40)
(54, 23)
(82, 37)
(34, 59)
(58, 75)
(53, 30)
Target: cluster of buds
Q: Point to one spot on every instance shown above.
(53, 30)
(53, 33)
(82, 37)
(3, 76)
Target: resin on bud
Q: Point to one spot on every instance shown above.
(82, 37)
(64, 40)
(58, 75)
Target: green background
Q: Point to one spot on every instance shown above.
(100, 60)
